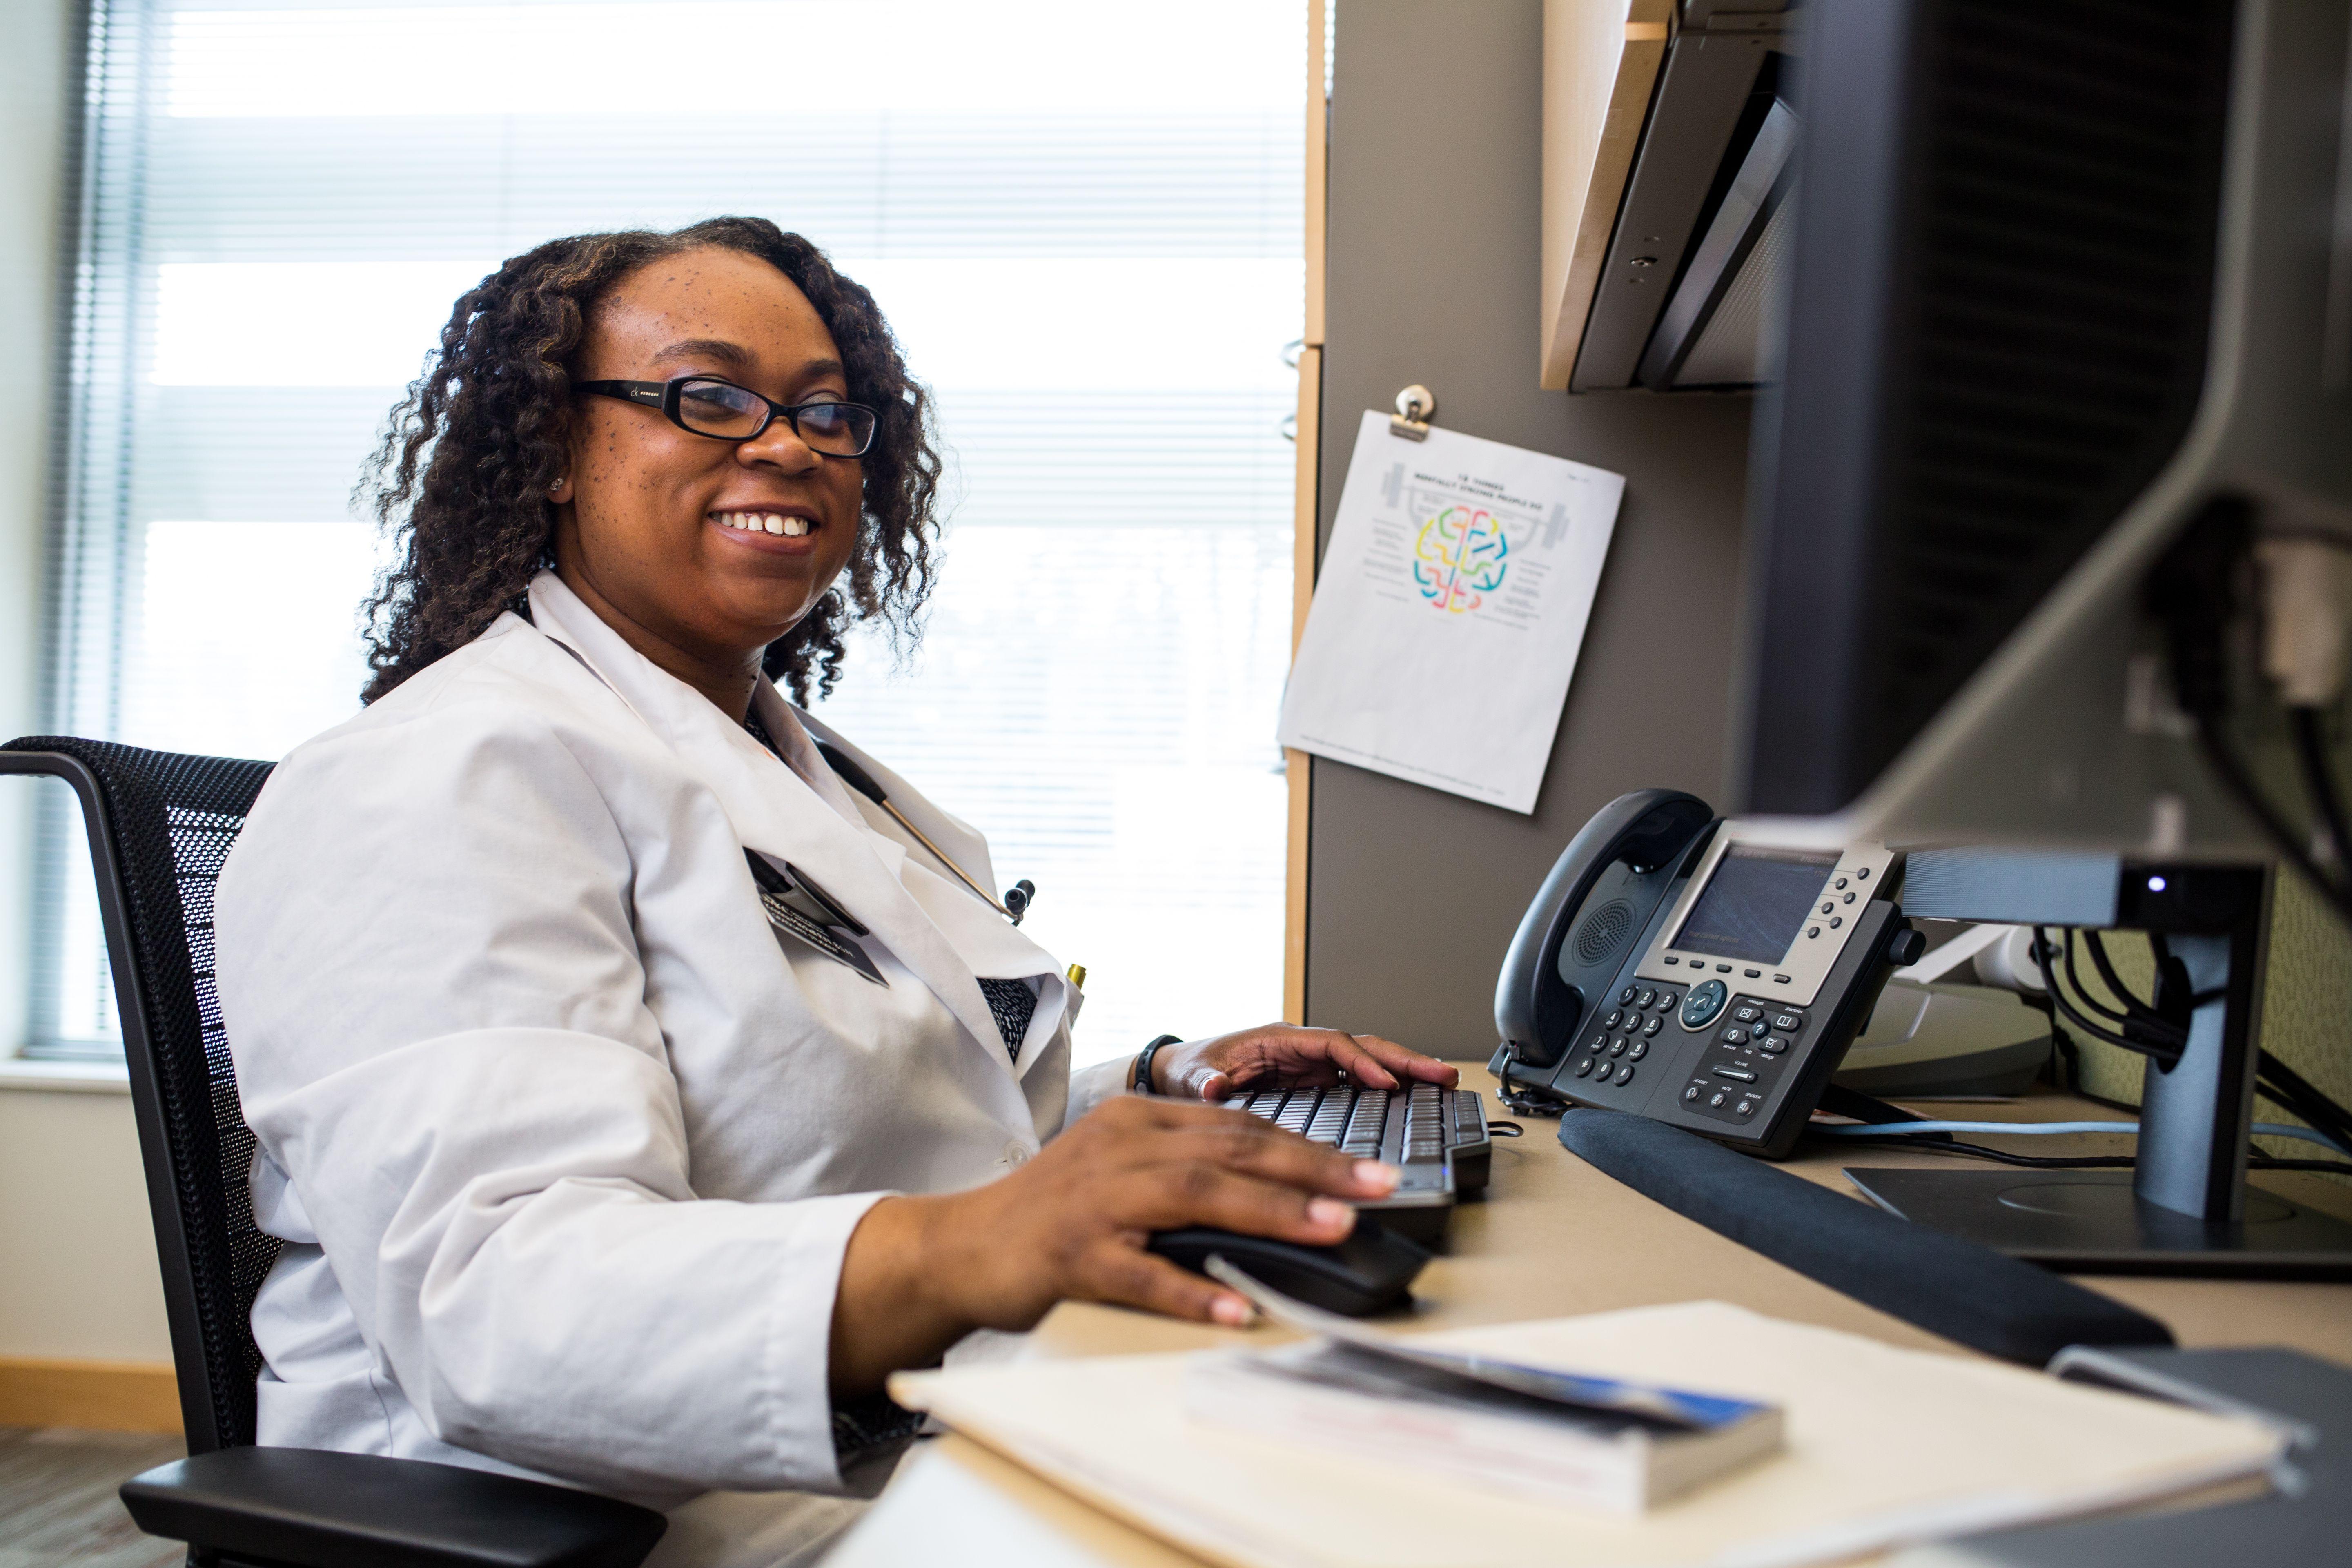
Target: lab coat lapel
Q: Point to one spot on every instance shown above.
(988, 942)
(772, 810)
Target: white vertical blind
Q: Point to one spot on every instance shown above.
(1083, 218)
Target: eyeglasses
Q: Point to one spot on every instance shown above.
(706, 406)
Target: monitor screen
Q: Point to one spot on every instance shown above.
(1754, 903)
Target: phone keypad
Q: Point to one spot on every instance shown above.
(1611, 1056)
(1743, 1062)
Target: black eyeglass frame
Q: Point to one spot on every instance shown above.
(666, 395)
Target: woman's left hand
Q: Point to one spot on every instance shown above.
(1287, 1052)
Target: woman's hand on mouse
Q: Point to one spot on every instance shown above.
(921, 1272)
(1221, 1065)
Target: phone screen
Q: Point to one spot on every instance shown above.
(1754, 903)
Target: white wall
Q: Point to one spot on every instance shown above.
(78, 1274)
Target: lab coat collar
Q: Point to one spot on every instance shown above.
(947, 941)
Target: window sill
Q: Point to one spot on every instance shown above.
(64, 1077)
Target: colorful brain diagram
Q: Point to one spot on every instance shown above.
(1461, 557)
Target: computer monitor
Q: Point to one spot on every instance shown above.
(2063, 274)
(2068, 319)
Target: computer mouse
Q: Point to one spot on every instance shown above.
(1371, 1270)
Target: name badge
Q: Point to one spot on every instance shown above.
(798, 907)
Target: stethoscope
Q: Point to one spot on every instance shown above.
(1015, 902)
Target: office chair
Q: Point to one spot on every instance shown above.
(160, 826)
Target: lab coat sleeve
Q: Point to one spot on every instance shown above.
(438, 1017)
(1089, 1087)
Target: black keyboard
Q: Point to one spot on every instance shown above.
(1436, 1138)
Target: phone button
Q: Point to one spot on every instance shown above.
(1704, 1003)
(1625, 997)
(1746, 1013)
(1640, 1049)
(1741, 1075)
(1584, 1066)
(1653, 1025)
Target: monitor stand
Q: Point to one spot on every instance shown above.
(2185, 1206)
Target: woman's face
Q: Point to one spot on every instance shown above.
(664, 526)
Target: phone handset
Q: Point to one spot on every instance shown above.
(1590, 912)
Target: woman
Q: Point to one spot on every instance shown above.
(632, 1097)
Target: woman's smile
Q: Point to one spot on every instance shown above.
(788, 529)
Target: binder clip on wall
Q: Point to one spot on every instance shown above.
(1414, 405)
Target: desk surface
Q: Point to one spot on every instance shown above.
(1554, 1238)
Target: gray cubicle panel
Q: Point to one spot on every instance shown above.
(1434, 166)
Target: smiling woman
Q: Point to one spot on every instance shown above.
(632, 1095)
(494, 468)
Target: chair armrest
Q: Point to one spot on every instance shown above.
(305, 1508)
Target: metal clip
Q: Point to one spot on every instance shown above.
(1414, 405)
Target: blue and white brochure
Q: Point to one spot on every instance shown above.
(1510, 1426)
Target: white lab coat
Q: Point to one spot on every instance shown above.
(565, 1142)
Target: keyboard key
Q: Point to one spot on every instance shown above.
(1331, 1115)
(1295, 1112)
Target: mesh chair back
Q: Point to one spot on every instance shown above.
(160, 826)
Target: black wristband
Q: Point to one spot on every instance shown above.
(1144, 1084)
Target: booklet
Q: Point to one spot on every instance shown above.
(1493, 1422)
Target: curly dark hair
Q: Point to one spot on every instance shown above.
(460, 477)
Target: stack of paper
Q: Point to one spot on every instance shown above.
(1884, 1448)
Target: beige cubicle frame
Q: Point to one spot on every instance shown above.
(1299, 771)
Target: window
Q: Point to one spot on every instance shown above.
(1084, 219)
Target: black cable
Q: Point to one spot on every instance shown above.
(2042, 947)
(2318, 1115)
(2193, 592)
(2303, 1096)
(2288, 1088)
(2295, 1109)
(2319, 781)
(2241, 785)
(2083, 992)
(2332, 1167)
(2141, 1013)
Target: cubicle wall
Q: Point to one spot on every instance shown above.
(1435, 169)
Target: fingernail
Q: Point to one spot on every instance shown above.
(1376, 1176)
(1327, 1212)
(1233, 1311)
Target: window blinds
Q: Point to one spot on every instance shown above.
(1084, 220)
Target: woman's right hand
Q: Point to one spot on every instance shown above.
(921, 1272)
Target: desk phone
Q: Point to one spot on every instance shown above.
(1680, 966)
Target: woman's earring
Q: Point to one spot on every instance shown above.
(557, 487)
